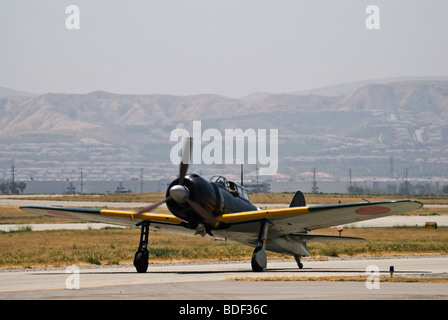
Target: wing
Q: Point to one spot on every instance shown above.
(244, 226)
(322, 216)
(286, 225)
(159, 221)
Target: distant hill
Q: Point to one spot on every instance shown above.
(411, 96)
(343, 89)
(407, 120)
(349, 87)
(14, 93)
(120, 118)
(104, 116)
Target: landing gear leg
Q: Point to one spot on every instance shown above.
(142, 255)
(259, 260)
(299, 263)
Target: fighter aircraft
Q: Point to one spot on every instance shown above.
(221, 209)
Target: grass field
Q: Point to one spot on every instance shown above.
(117, 246)
(343, 278)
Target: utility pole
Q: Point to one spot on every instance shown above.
(406, 182)
(257, 188)
(13, 185)
(391, 166)
(406, 177)
(315, 188)
(141, 180)
(81, 182)
(350, 174)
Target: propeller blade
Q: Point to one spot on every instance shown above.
(186, 159)
(207, 216)
(182, 172)
(151, 207)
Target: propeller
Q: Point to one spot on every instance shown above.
(180, 193)
(207, 216)
(151, 207)
(182, 172)
(185, 161)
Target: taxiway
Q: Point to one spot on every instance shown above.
(215, 281)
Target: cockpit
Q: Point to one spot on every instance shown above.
(234, 188)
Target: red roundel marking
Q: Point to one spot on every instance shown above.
(372, 210)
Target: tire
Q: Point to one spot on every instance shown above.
(141, 261)
(255, 265)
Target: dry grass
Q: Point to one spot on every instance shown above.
(107, 246)
(383, 242)
(117, 246)
(343, 278)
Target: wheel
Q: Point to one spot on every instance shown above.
(255, 266)
(141, 260)
(258, 261)
(299, 263)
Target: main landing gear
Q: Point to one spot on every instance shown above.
(259, 260)
(142, 255)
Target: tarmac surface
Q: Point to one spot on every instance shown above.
(215, 281)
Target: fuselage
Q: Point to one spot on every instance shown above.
(217, 195)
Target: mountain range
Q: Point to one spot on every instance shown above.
(364, 128)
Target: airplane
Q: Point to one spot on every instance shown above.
(221, 209)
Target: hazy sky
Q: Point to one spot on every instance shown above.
(232, 48)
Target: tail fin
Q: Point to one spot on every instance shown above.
(298, 200)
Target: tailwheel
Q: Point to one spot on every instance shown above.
(259, 259)
(299, 263)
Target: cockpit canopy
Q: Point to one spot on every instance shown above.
(232, 187)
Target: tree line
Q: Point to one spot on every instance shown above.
(12, 187)
(405, 188)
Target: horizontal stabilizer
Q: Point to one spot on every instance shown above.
(306, 237)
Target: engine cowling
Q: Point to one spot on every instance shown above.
(198, 190)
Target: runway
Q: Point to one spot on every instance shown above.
(212, 281)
